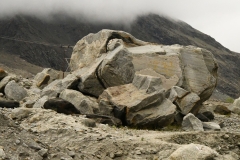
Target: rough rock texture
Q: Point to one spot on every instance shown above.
(84, 104)
(191, 123)
(14, 91)
(140, 108)
(193, 152)
(117, 68)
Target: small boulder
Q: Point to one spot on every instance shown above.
(61, 106)
(14, 91)
(211, 126)
(191, 123)
(222, 109)
(5, 81)
(84, 104)
(193, 152)
(20, 113)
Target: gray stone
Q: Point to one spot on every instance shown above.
(211, 126)
(4, 82)
(89, 123)
(116, 68)
(140, 109)
(191, 123)
(14, 91)
(20, 113)
(235, 107)
(222, 109)
(177, 93)
(46, 76)
(147, 80)
(193, 152)
(40, 102)
(93, 46)
(56, 87)
(89, 82)
(187, 103)
(83, 103)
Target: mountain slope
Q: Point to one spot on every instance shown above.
(67, 31)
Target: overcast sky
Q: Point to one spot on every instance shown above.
(217, 18)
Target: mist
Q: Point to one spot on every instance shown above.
(217, 18)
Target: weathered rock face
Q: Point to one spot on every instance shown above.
(131, 77)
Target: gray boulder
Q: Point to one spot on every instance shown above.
(57, 86)
(46, 76)
(89, 81)
(84, 104)
(5, 81)
(191, 123)
(116, 68)
(187, 103)
(14, 91)
(193, 152)
(138, 108)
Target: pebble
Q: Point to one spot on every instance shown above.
(43, 152)
(71, 154)
(112, 155)
(138, 152)
(2, 153)
(18, 141)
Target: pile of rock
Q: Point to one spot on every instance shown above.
(118, 78)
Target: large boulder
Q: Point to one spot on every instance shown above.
(137, 108)
(14, 91)
(117, 68)
(105, 59)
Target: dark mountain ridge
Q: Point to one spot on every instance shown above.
(47, 37)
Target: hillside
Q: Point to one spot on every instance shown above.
(67, 31)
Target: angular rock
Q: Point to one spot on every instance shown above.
(40, 102)
(211, 126)
(5, 81)
(89, 82)
(61, 106)
(222, 109)
(193, 152)
(147, 80)
(57, 86)
(3, 74)
(8, 103)
(116, 68)
(191, 123)
(177, 93)
(187, 103)
(15, 92)
(93, 46)
(235, 107)
(83, 103)
(140, 109)
(46, 76)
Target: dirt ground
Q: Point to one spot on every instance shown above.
(45, 134)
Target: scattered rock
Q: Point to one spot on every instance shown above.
(89, 123)
(191, 123)
(43, 152)
(20, 113)
(14, 91)
(40, 102)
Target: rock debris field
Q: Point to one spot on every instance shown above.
(123, 99)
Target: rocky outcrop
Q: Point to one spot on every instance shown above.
(118, 77)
